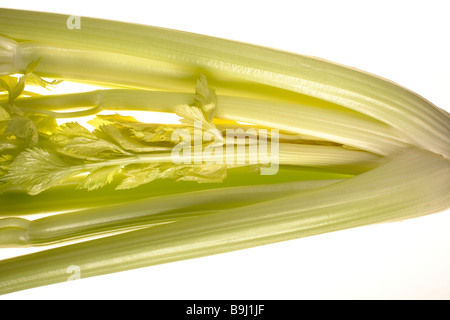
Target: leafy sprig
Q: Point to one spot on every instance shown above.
(120, 147)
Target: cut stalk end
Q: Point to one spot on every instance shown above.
(14, 232)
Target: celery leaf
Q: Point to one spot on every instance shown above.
(137, 175)
(123, 139)
(99, 178)
(4, 115)
(75, 140)
(36, 170)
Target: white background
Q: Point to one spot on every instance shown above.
(404, 41)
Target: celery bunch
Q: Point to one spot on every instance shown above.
(347, 148)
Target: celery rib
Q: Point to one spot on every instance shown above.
(16, 202)
(79, 224)
(337, 125)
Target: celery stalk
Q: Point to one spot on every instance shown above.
(16, 202)
(337, 124)
(355, 149)
(19, 232)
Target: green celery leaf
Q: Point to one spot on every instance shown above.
(136, 175)
(75, 140)
(99, 178)
(45, 124)
(125, 140)
(4, 115)
(36, 170)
